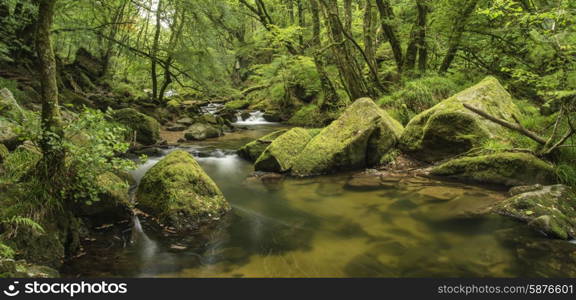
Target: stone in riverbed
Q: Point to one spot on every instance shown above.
(202, 131)
(362, 136)
(254, 149)
(177, 128)
(147, 129)
(449, 129)
(502, 168)
(551, 210)
(280, 155)
(180, 193)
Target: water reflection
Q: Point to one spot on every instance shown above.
(340, 226)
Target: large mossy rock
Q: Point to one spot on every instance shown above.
(180, 193)
(449, 129)
(8, 136)
(113, 203)
(147, 128)
(202, 131)
(548, 209)
(254, 149)
(506, 168)
(280, 155)
(362, 136)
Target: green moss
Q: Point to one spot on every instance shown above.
(237, 104)
(550, 209)
(311, 116)
(344, 145)
(202, 131)
(147, 129)
(254, 149)
(3, 153)
(448, 128)
(20, 161)
(502, 168)
(279, 156)
(180, 193)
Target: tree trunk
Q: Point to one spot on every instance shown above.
(369, 33)
(52, 162)
(154, 52)
(456, 36)
(301, 22)
(417, 48)
(387, 18)
(347, 65)
(330, 95)
(348, 15)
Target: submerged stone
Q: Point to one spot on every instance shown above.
(254, 149)
(449, 129)
(502, 168)
(180, 193)
(146, 128)
(280, 155)
(551, 210)
(361, 136)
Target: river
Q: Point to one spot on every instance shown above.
(329, 226)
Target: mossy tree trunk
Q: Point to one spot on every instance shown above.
(330, 95)
(387, 20)
(417, 48)
(52, 133)
(457, 34)
(154, 51)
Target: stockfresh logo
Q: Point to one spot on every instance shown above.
(12, 291)
(70, 289)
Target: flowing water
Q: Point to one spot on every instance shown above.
(331, 226)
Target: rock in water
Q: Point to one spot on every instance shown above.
(180, 193)
(502, 168)
(449, 129)
(279, 156)
(147, 128)
(362, 135)
(550, 209)
(202, 131)
(254, 149)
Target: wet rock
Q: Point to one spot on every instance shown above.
(272, 116)
(202, 131)
(449, 129)
(502, 168)
(180, 193)
(281, 154)
(551, 210)
(517, 190)
(185, 121)
(362, 135)
(177, 128)
(146, 128)
(149, 151)
(253, 150)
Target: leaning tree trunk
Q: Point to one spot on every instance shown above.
(330, 96)
(53, 154)
(387, 18)
(456, 36)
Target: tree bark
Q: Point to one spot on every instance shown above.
(456, 35)
(369, 33)
(154, 52)
(52, 162)
(330, 96)
(387, 17)
(417, 48)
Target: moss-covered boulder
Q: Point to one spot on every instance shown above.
(506, 168)
(254, 149)
(113, 203)
(8, 136)
(10, 268)
(3, 153)
(549, 209)
(361, 136)
(147, 129)
(9, 108)
(448, 128)
(237, 104)
(202, 131)
(280, 155)
(180, 193)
